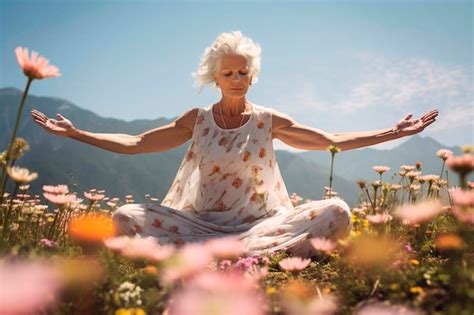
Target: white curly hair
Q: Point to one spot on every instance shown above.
(227, 43)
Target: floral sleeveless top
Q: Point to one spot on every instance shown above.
(230, 176)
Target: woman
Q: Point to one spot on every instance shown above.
(229, 182)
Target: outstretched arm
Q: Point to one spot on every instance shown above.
(307, 138)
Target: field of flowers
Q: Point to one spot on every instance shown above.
(410, 250)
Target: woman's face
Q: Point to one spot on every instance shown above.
(233, 77)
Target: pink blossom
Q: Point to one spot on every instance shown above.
(93, 197)
(256, 273)
(225, 247)
(418, 213)
(324, 305)
(217, 293)
(27, 287)
(59, 189)
(462, 164)
(463, 198)
(62, 199)
(381, 169)
(141, 248)
(444, 154)
(48, 243)
(378, 218)
(294, 263)
(323, 244)
(36, 67)
(191, 259)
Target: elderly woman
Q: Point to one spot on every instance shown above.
(229, 182)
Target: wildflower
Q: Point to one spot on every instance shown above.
(470, 185)
(449, 242)
(444, 154)
(414, 187)
(62, 199)
(381, 169)
(467, 148)
(294, 263)
(130, 293)
(414, 262)
(412, 174)
(419, 213)
(362, 183)
(371, 251)
(59, 189)
(18, 148)
(463, 208)
(462, 164)
(395, 187)
(416, 290)
(323, 244)
(130, 311)
(225, 247)
(376, 184)
(333, 149)
(136, 247)
(27, 287)
(217, 293)
(93, 197)
(36, 67)
(379, 218)
(21, 175)
(189, 261)
(150, 269)
(271, 290)
(95, 227)
(256, 273)
(48, 243)
(418, 165)
(407, 168)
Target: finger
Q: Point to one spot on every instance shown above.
(407, 117)
(36, 116)
(42, 124)
(41, 115)
(59, 117)
(429, 122)
(430, 116)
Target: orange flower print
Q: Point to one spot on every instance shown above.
(173, 228)
(190, 156)
(262, 153)
(246, 156)
(249, 219)
(221, 206)
(256, 169)
(157, 223)
(199, 119)
(260, 124)
(254, 197)
(237, 182)
(223, 141)
(277, 186)
(205, 132)
(313, 214)
(215, 170)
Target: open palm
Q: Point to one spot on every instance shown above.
(60, 127)
(409, 126)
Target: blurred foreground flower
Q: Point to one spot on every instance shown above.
(463, 208)
(301, 298)
(381, 308)
(94, 227)
(225, 247)
(449, 242)
(136, 247)
(36, 66)
(372, 252)
(419, 213)
(212, 293)
(27, 287)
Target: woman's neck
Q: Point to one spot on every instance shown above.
(233, 107)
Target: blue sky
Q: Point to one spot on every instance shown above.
(333, 65)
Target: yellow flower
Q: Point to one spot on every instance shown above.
(130, 311)
(93, 227)
(416, 290)
(414, 262)
(394, 286)
(468, 148)
(326, 290)
(333, 149)
(271, 290)
(365, 223)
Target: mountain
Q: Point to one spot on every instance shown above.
(60, 160)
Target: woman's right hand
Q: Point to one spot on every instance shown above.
(61, 127)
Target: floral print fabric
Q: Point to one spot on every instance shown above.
(229, 183)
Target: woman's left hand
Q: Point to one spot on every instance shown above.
(408, 126)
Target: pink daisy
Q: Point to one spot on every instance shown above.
(294, 263)
(36, 67)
